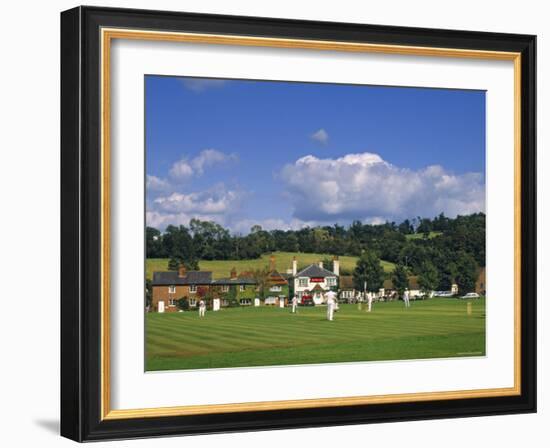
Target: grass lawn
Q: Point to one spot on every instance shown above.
(238, 337)
(283, 261)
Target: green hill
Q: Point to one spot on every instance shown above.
(283, 261)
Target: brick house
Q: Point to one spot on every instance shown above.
(169, 287)
(239, 289)
(277, 287)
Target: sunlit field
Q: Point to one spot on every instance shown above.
(248, 336)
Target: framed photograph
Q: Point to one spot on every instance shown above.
(277, 224)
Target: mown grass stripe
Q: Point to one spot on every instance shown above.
(272, 336)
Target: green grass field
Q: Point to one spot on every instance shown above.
(238, 337)
(283, 261)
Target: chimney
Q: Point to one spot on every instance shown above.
(294, 266)
(336, 265)
(233, 274)
(271, 263)
(181, 271)
(321, 264)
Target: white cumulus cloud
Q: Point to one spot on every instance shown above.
(363, 186)
(181, 170)
(217, 203)
(216, 200)
(320, 136)
(210, 157)
(186, 168)
(154, 183)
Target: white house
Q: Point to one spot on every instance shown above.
(315, 280)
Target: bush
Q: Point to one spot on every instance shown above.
(233, 303)
(183, 304)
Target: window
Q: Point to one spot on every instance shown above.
(245, 301)
(331, 281)
(302, 282)
(275, 288)
(172, 302)
(242, 288)
(225, 288)
(192, 302)
(171, 289)
(193, 288)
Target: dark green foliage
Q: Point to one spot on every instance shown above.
(428, 278)
(466, 272)
(154, 244)
(175, 263)
(183, 304)
(178, 243)
(328, 263)
(148, 293)
(368, 270)
(400, 279)
(261, 277)
(440, 241)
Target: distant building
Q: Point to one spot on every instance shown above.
(242, 289)
(347, 288)
(169, 287)
(277, 287)
(313, 281)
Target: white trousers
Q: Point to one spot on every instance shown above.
(407, 303)
(202, 311)
(330, 312)
(293, 307)
(370, 305)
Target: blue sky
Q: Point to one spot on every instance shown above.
(285, 154)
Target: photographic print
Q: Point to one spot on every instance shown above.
(307, 223)
(285, 214)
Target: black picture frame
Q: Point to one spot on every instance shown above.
(81, 224)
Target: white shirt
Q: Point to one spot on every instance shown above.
(330, 297)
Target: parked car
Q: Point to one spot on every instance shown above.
(443, 294)
(307, 301)
(470, 295)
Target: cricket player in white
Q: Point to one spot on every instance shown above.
(406, 298)
(294, 304)
(202, 308)
(370, 296)
(331, 302)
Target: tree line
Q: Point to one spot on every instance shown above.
(440, 251)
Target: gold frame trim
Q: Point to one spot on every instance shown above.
(107, 35)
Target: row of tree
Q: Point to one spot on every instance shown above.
(462, 270)
(439, 251)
